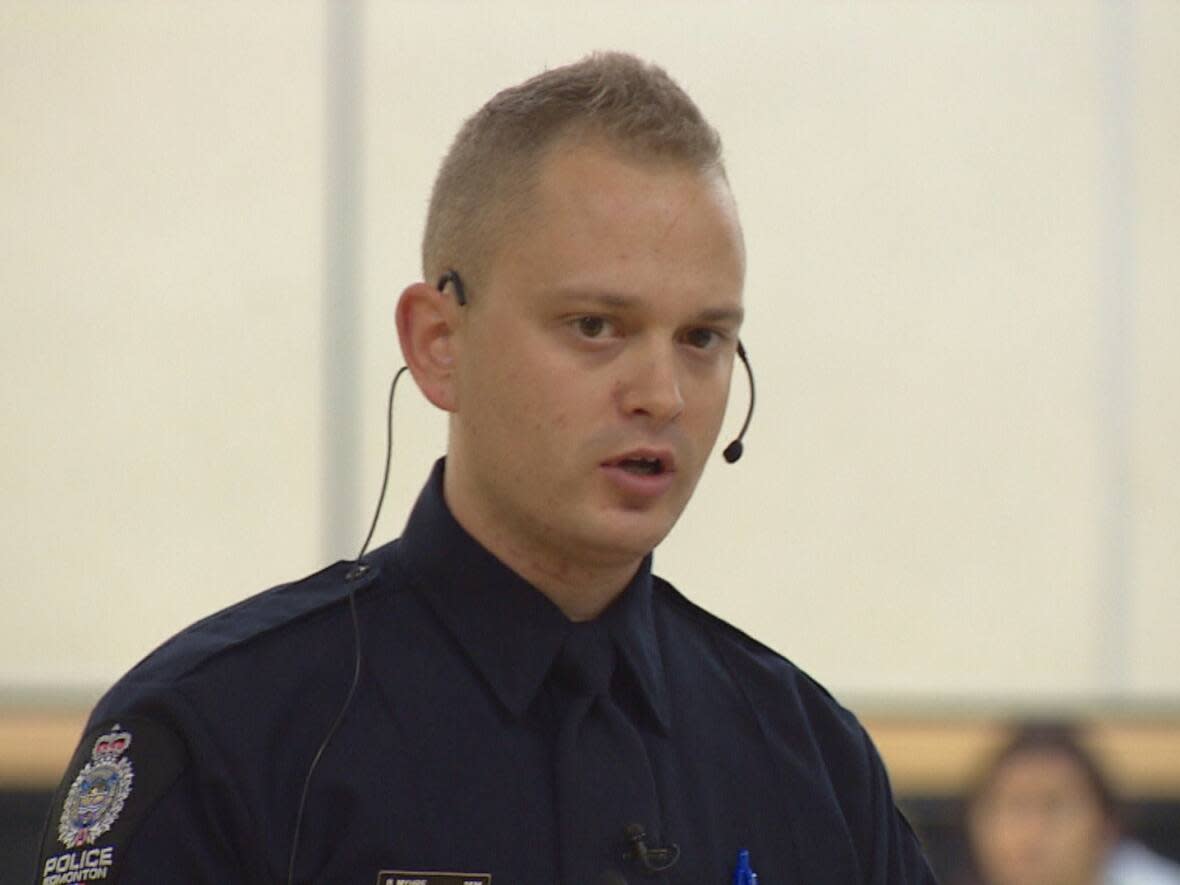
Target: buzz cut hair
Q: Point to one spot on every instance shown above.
(486, 179)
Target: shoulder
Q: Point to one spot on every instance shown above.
(817, 740)
(176, 744)
(1133, 864)
(278, 626)
(795, 712)
(756, 665)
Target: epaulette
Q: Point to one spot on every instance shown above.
(257, 616)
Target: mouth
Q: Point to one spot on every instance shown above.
(643, 463)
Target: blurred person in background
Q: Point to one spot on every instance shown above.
(1043, 812)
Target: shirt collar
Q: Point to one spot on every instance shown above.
(509, 630)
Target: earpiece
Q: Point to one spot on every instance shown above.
(452, 277)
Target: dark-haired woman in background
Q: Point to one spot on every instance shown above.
(1043, 813)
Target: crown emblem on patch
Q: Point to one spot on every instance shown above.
(98, 792)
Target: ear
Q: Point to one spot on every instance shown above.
(426, 324)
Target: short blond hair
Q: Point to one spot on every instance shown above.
(487, 175)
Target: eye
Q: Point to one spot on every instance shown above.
(592, 326)
(703, 338)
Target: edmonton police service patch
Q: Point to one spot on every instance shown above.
(98, 793)
(108, 793)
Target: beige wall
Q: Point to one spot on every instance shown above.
(961, 486)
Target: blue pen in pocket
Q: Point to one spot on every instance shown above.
(743, 873)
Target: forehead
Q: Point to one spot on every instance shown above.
(1039, 772)
(599, 220)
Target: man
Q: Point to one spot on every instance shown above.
(506, 693)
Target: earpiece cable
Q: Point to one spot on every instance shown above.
(357, 571)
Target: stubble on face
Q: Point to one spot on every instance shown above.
(650, 249)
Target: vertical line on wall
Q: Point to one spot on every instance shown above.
(340, 320)
(1116, 44)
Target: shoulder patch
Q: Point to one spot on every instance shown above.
(119, 771)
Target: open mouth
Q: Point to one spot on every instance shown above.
(641, 465)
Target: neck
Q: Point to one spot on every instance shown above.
(580, 588)
(581, 592)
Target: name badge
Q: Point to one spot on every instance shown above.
(406, 877)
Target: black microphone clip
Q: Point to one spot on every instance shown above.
(654, 860)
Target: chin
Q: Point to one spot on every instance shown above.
(633, 536)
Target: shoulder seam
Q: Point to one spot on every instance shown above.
(189, 662)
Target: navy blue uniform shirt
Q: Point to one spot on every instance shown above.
(193, 764)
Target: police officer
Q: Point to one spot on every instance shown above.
(506, 693)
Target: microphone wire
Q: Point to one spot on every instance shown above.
(734, 450)
(358, 570)
(356, 678)
(385, 479)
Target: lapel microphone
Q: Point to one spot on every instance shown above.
(653, 860)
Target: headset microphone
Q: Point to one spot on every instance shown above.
(734, 450)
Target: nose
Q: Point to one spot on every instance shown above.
(652, 388)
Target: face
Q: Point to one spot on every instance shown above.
(1040, 824)
(593, 366)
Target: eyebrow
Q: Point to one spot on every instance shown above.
(620, 301)
(722, 315)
